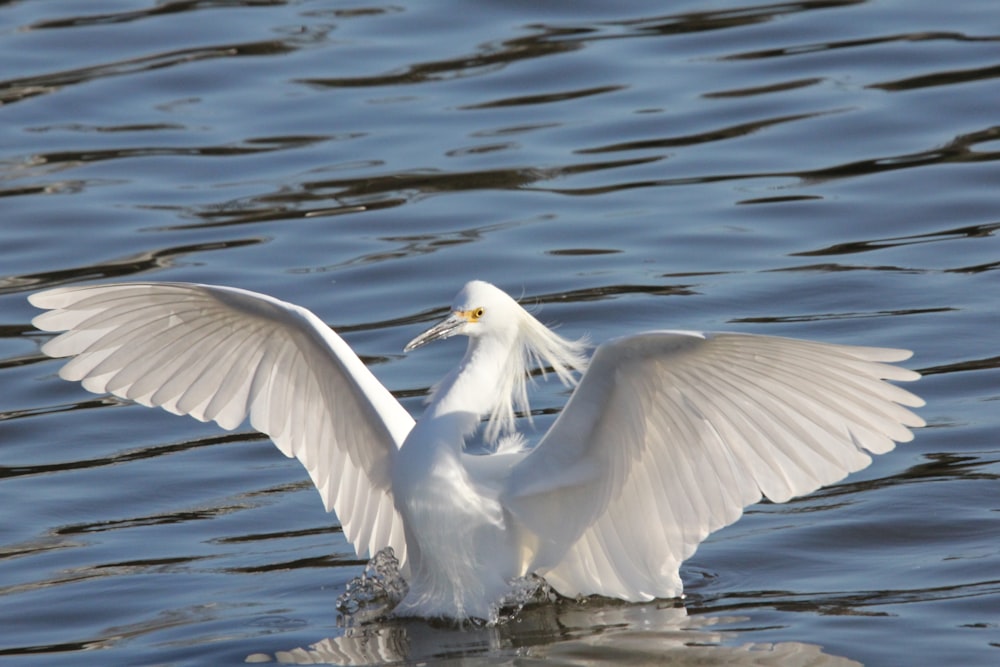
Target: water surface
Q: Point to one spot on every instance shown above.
(822, 169)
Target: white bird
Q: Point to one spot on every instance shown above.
(666, 438)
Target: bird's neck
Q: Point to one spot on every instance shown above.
(466, 394)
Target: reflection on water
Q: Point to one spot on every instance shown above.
(568, 635)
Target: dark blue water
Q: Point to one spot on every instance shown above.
(822, 169)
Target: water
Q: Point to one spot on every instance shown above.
(826, 170)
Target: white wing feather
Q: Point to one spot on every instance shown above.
(686, 429)
(224, 354)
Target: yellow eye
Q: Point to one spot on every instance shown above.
(477, 313)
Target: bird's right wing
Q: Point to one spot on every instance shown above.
(222, 354)
(671, 434)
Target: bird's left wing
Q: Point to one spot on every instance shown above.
(671, 434)
(223, 354)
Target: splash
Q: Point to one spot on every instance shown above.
(381, 587)
(375, 593)
(523, 591)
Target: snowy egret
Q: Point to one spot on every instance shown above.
(667, 436)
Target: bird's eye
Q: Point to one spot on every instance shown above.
(477, 313)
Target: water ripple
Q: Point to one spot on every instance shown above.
(817, 168)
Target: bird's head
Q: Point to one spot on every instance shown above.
(482, 311)
(478, 310)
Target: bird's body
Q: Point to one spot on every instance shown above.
(668, 436)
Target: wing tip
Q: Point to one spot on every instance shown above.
(54, 298)
(42, 299)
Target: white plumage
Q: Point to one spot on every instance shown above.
(669, 435)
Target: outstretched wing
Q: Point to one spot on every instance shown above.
(671, 434)
(222, 354)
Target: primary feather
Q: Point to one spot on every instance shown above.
(667, 437)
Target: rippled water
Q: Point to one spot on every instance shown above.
(824, 169)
